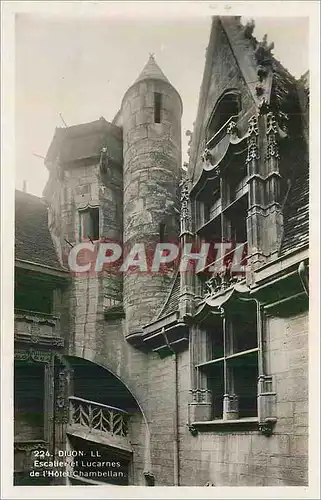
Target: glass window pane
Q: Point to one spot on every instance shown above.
(244, 371)
(216, 385)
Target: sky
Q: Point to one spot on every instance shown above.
(76, 69)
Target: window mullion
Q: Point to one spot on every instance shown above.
(225, 353)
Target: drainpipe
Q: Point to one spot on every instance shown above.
(304, 277)
(176, 463)
(176, 424)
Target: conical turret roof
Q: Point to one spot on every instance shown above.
(152, 71)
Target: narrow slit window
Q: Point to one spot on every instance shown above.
(89, 224)
(157, 107)
(162, 230)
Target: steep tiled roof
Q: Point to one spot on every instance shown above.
(296, 214)
(151, 71)
(85, 141)
(33, 242)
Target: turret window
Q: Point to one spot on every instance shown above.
(89, 224)
(157, 107)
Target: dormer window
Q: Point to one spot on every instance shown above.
(227, 107)
(221, 215)
(89, 224)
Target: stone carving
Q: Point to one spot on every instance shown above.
(259, 89)
(263, 52)
(266, 428)
(249, 28)
(192, 429)
(29, 446)
(264, 107)
(103, 162)
(149, 478)
(271, 132)
(221, 281)
(207, 157)
(184, 198)
(262, 72)
(35, 318)
(253, 126)
(252, 146)
(201, 396)
(271, 125)
(38, 328)
(231, 128)
(61, 403)
(32, 355)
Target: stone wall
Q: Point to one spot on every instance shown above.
(152, 165)
(249, 458)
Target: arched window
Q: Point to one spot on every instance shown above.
(228, 106)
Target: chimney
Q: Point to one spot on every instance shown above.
(24, 186)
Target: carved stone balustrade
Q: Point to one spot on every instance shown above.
(37, 328)
(25, 453)
(99, 423)
(230, 269)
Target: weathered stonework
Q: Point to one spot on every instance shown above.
(152, 160)
(133, 176)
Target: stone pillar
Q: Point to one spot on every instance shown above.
(256, 212)
(200, 407)
(230, 407)
(186, 237)
(49, 402)
(63, 389)
(274, 216)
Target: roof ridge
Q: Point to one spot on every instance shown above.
(24, 193)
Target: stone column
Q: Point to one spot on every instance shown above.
(200, 408)
(274, 219)
(49, 402)
(230, 400)
(63, 389)
(256, 212)
(186, 236)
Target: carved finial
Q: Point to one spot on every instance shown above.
(103, 159)
(263, 53)
(249, 28)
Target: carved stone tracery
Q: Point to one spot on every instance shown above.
(232, 128)
(185, 214)
(252, 141)
(271, 133)
(207, 157)
(32, 355)
(220, 281)
(103, 161)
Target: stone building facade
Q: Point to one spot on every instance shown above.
(188, 378)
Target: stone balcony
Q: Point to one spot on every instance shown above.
(99, 423)
(37, 328)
